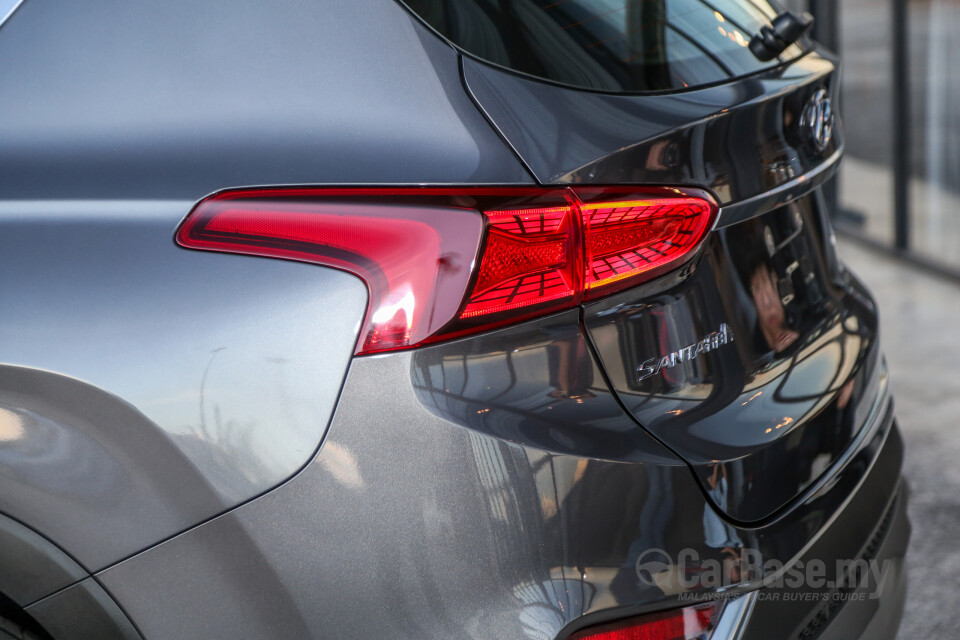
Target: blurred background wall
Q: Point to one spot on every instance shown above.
(899, 186)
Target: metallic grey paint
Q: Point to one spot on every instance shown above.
(509, 544)
(7, 7)
(146, 388)
(177, 99)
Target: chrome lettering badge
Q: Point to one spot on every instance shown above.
(715, 340)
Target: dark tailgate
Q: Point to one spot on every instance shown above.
(757, 362)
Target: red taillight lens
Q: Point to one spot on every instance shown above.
(632, 237)
(419, 249)
(416, 258)
(530, 258)
(689, 623)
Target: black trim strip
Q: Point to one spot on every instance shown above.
(777, 197)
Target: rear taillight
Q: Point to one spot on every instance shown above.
(689, 623)
(444, 262)
(632, 237)
(530, 257)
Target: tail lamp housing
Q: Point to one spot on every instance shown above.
(444, 262)
(689, 623)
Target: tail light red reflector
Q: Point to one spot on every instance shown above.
(530, 258)
(444, 262)
(416, 260)
(689, 623)
(631, 241)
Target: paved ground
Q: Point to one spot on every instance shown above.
(919, 319)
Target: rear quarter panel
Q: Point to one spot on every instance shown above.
(144, 387)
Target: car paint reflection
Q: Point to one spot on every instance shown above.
(779, 403)
(535, 384)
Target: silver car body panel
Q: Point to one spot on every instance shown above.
(178, 99)
(7, 7)
(509, 543)
(182, 384)
(144, 387)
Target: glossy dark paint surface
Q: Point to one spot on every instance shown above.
(841, 613)
(738, 140)
(515, 541)
(669, 45)
(536, 385)
(175, 100)
(762, 417)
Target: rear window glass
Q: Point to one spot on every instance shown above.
(609, 45)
